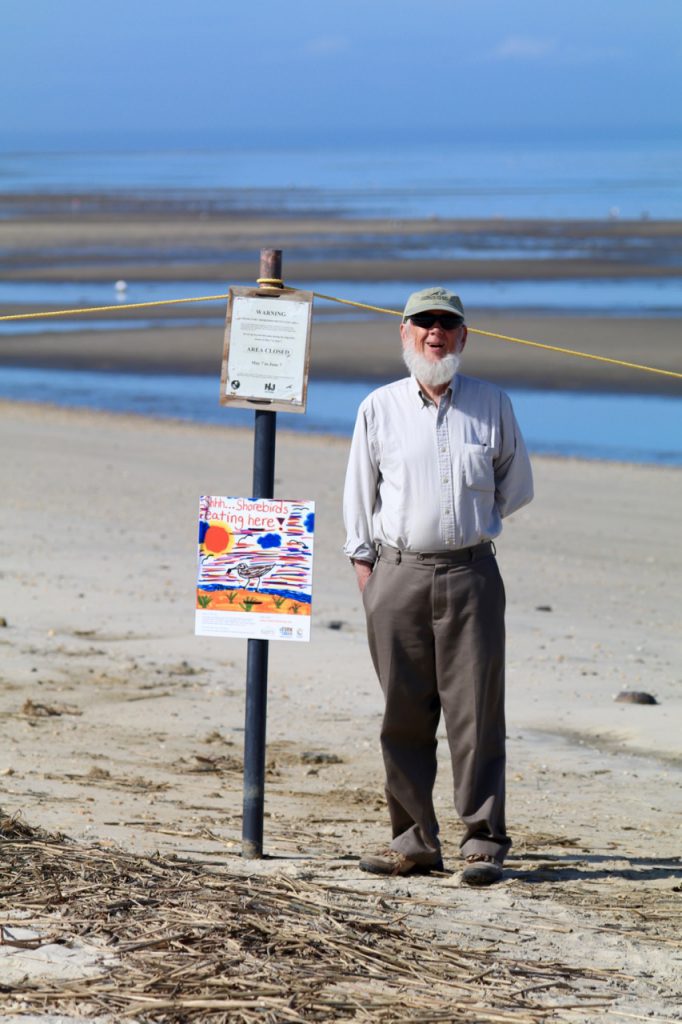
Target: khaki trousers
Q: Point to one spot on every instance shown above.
(435, 625)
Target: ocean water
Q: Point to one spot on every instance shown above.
(602, 182)
(533, 178)
(530, 177)
(658, 297)
(626, 428)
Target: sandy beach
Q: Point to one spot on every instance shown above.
(124, 732)
(148, 157)
(121, 761)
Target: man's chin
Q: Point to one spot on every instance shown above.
(432, 372)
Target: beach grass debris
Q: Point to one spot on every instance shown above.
(183, 941)
(39, 709)
(320, 757)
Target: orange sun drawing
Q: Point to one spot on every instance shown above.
(218, 539)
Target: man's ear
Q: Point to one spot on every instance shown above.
(403, 331)
(463, 339)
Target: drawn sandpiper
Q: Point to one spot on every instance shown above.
(252, 572)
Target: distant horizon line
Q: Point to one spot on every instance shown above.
(140, 140)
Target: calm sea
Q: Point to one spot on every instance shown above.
(624, 428)
(529, 178)
(603, 182)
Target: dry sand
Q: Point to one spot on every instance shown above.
(111, 707)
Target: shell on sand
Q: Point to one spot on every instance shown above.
(635, 697)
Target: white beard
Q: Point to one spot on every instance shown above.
(433, 375)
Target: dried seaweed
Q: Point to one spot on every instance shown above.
(197, 943)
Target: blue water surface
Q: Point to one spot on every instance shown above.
(629, 428)
(497, 178)
(658, 296)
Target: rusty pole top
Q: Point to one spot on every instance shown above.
(270, 273)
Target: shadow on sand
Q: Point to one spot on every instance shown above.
(589, 868)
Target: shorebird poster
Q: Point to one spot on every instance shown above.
(255, 568)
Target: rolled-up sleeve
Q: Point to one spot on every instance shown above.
(513, 473)
(360, 491)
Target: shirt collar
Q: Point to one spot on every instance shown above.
(424, 399)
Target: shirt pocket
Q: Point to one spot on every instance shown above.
(477, 461)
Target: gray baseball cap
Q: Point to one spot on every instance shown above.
(433, 298)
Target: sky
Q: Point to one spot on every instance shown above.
(217, 71)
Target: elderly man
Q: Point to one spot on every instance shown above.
(437, 461)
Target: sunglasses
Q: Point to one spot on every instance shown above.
(448, 321)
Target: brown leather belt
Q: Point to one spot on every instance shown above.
(457, 557)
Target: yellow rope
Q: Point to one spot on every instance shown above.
(104, 309)
(357, 305)
(519, 341)
(575, 352)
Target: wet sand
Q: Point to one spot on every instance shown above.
(72, 241)
(100, 238)
(370, 350)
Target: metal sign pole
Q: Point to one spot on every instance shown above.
(265, 428)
